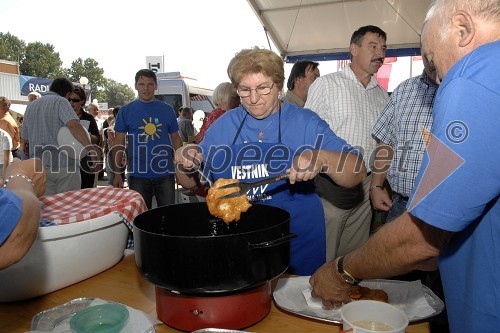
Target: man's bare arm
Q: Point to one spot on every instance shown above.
(399, 247)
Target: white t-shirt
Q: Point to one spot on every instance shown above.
(99, 122)
(6, 142)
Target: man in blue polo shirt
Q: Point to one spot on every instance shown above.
(454, 209)
(152, 131)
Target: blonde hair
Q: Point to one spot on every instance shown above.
(256, 60)
(223, 93)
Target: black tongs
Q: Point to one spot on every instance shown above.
(245, 186)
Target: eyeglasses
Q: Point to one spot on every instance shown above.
(262, 90)
(74, 100)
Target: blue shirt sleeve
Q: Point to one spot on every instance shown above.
(120, 124)
(173, 125)
(456, 199)
(11, 209)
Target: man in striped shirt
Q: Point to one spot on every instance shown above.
(351, 101)
(400, 132)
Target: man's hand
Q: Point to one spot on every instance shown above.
(96, 162)
(329, 286)
(380, 199)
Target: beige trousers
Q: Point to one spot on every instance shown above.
(62, 181)
(347, 229)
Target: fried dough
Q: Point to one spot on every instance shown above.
(230, 209)
(365, 293)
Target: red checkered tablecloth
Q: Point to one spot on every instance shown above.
(86, 204)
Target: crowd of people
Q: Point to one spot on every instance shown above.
(425, 155)
(451, 219)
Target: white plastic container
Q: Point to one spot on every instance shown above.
(63, 255)
(373, 317)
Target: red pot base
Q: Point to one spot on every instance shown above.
(190, 313)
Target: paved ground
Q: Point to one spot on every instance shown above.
(101, 183)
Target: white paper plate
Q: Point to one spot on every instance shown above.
(289, 296)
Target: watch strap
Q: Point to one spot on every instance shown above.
(346, 276)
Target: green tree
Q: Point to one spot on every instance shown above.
(118, 93)
(101, 96)
(91, 70)
(41, 60)
(63, 72)
(11, 47)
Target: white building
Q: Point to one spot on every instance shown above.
(10, 86)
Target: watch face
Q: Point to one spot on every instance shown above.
(347, 278)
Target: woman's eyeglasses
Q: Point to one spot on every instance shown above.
(262, 90)
(74, 100)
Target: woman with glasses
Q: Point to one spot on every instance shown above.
(266, 136)
(77, 100)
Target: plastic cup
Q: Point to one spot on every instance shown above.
(373, 316)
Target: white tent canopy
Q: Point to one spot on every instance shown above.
(321, 29)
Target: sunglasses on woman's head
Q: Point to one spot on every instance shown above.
(74, 100)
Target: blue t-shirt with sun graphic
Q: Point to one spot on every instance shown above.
(149, 149)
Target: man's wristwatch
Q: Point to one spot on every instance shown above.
(346, 276)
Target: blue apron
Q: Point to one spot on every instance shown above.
(252, 161)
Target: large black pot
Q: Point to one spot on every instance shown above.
(182, 248)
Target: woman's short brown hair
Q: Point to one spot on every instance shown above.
(80, 92)
(256, 60)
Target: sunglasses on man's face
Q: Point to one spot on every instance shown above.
(74, 100)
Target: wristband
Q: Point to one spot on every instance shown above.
(7, 180)
(375, 186)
